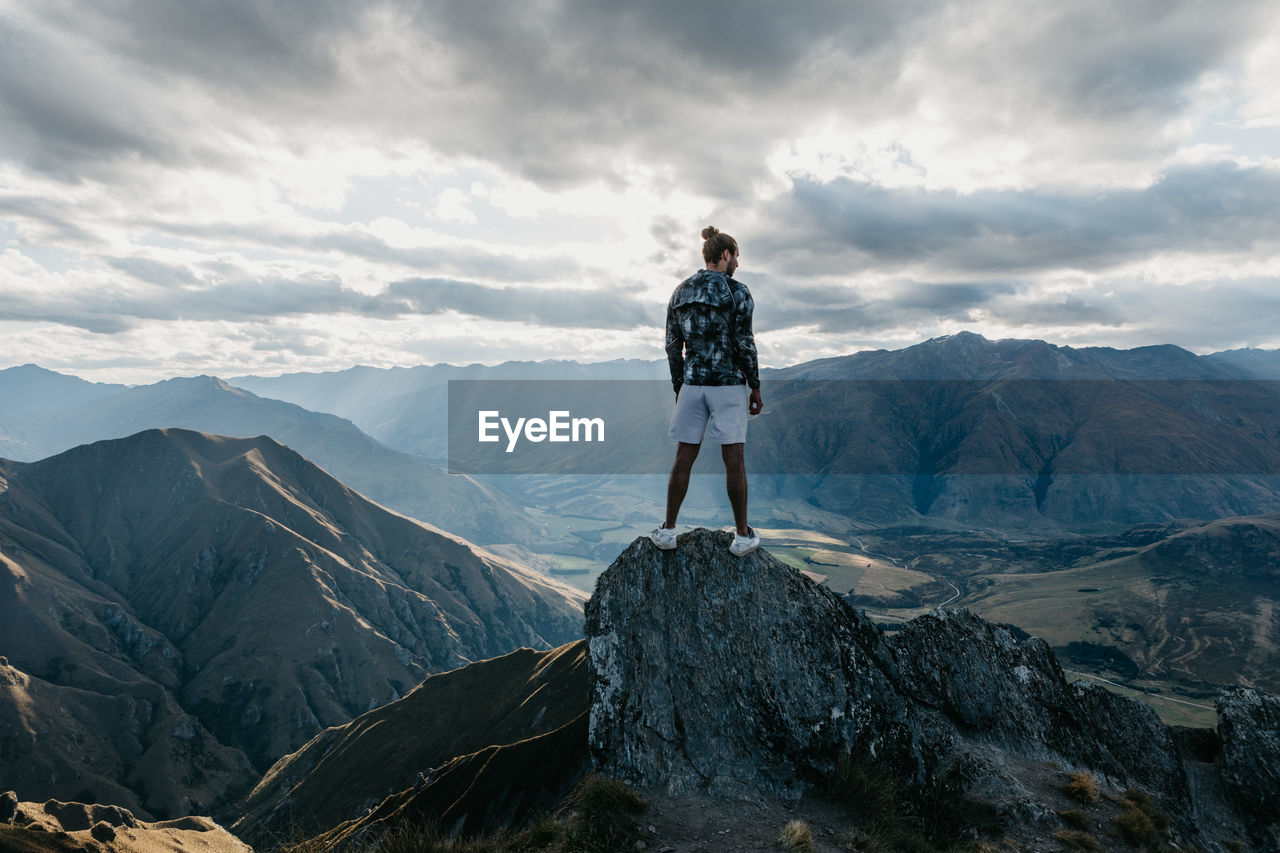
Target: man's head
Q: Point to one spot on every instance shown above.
(719, 250)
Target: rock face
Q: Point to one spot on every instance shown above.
(1249, 724)
(712, 673)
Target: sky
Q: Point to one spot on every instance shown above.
(241, 187)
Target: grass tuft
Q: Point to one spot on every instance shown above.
(1076, 819)
(1141, 822)
(872, 801)
(430, 838)
(796, 837)
(604, 816)
(1074, 840)
(1082, 788)
(1135, 827)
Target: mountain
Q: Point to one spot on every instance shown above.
(1011, 436)
(398, 480)
(720, 686)
(971, 723)
(1257, 363)
(182, 609)
(31, 391)
(966, 355)
(405, 407)
(31, 395)
(445, 751)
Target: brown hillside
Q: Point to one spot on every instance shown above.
(489, 730)
(238, 583)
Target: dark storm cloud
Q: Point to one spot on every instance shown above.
(1107, 60)
(56, 114)
(562, 92)
(1218, 207)
(234, 45)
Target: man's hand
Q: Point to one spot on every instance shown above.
(757, 402)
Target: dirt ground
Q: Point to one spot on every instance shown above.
(687, 824)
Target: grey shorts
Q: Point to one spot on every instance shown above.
(715, 413)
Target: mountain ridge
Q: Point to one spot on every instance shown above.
(230, 587)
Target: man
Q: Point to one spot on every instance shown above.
(712, 355)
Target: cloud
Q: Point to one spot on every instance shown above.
(570, 92)
(556, 307)
(177, 292)
(892, 169)
(859, 226)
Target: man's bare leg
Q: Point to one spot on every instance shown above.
(735, 483)
(678, 485)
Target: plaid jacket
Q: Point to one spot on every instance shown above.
(709, 339)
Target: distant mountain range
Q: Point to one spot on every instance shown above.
(406, 407)
(61, 412)
(1012, 436)
(1097, 450)
(181, 609)
(1001, 450)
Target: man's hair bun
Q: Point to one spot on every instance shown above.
(717, 243)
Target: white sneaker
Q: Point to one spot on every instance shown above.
(742, 545)
(664, 537)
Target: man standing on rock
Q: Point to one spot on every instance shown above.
(712, 355)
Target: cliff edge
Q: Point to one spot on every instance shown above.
(739, 677)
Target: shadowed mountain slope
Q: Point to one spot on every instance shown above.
(206, 603)
(443, 751)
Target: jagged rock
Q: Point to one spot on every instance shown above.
(1249, 724)
(58, 826)
(713, 673)
(710, 671)
(8, 806)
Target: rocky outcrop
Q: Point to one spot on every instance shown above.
(712, 673)
(74, 827)
(1249, 725)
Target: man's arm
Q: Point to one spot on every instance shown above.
(675, 350)
(744, 349)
